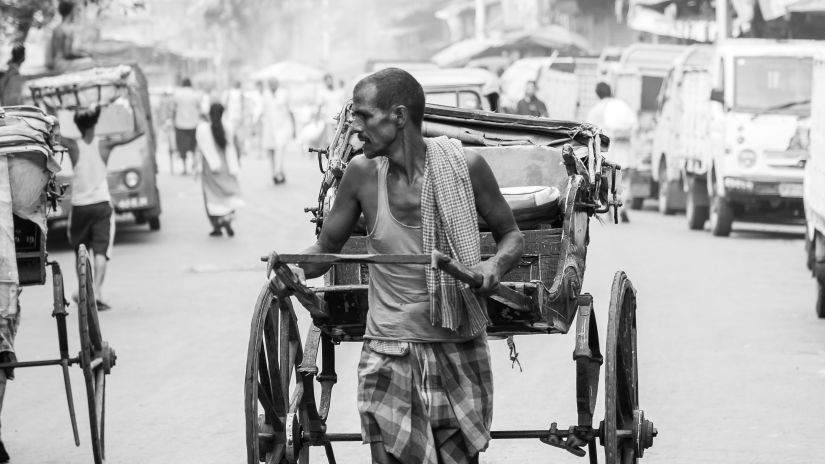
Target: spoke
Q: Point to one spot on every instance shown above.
(271, 340)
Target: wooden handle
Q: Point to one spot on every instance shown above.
(331, 258)
(456, 269)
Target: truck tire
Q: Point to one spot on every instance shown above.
(154, 223)
(636, 203)
(721, 216)
(666, 189)
(820, 300)
(695, 213)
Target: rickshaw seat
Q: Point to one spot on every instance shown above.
(531, 179)
(531, 205)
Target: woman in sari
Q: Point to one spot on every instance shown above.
(219, 171)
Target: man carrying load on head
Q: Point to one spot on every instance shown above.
(425, 385)
(91, 219)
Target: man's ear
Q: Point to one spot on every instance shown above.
(400, 114)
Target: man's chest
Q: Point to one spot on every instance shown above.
(401, 199)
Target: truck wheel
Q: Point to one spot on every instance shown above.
(721, 216)
(695, 213)
(820, 300)
(637, 203)
(154, 223)
(666, 188)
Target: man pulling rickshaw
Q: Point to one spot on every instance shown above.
(426, 253)
(425, 383)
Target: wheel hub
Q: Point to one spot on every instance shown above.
(109, 357)
(294, 439)
(643, 432)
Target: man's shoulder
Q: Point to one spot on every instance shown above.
(362, 166)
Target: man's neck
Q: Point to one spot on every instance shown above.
(408, 155)
(88, 137)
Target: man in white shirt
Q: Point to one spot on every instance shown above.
(91, 219)
(277, 128)
(619, 122)
(186, 114)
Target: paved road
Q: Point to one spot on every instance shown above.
(732, 358)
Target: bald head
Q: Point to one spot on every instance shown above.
(392, 87)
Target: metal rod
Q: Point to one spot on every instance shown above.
(496, 435)
(70, 401)
(48, 362)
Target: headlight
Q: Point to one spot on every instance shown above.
(131, 179)
(747, 158)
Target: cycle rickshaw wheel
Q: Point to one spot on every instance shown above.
(621, 375)
(273, 391)
(96, 357)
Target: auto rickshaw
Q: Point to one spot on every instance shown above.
(122, 93)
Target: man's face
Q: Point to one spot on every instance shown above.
(530, 89)
(374, 126)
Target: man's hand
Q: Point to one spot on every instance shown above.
(297, 273)
(491, 273)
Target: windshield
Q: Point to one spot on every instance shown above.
(773, 84)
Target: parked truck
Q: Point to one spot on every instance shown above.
(756, 135)
(676, 121)
(637, 80)
(814, 185)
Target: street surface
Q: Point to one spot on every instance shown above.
(731, 355)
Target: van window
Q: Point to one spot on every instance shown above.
(459, 99)
(776, 84)
(651, 86)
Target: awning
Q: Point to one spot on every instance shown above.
(552, 37)
(463, 51)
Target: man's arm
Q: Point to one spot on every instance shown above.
(71, 147)
(340, 222)
(492, 206)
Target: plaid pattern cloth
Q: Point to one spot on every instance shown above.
(433, 405)
(450, 224)
(8, 332)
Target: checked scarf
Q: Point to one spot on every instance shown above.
(450, 225)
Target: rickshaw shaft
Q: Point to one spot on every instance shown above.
(47, 362)
(495, 435)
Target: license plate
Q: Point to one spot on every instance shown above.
(790, 190)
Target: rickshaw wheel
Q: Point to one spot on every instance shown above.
(618, 430)
(96, 356)
(273, 398)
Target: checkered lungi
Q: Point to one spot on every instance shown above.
(431, 405)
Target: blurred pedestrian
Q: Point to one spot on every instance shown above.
(331, 100)
(219, 166)
(530, 105)
(277, 128)
(235, 109)
(618, 121)
(63, 52)
(91, 219)
(256, 108)
(186, 116)
(11, 84)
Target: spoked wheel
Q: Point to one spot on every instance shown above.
(273, 392)
(625, 433)
(96, 356)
